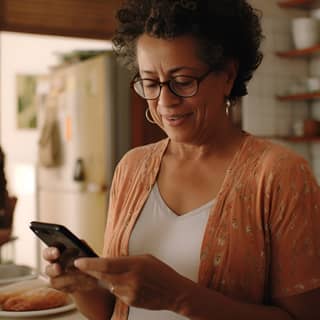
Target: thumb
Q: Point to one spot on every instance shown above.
(103, 265)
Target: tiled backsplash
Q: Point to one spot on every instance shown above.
(262, 113)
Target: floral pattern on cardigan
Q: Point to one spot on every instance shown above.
(262, 239)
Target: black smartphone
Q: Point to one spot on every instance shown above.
(56, 235)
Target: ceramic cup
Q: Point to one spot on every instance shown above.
(305, 32)
(315, 13)
(298, 128)
(313, 84)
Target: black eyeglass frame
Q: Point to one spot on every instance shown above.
(168, 83)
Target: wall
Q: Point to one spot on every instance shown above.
(26, 54)
(314, 71)
(262, 114)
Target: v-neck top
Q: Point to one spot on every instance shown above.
(174, 239)
(262, 237)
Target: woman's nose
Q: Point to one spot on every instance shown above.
(167, 97)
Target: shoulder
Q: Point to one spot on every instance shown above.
(284, 174)
(268, 164)
(136, 156)
(273, 155)
(138, 166)
(140, 159)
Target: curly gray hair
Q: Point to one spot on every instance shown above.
(225, 29)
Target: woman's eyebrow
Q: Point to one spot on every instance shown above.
(171, 71)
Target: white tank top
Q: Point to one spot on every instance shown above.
(175, 240)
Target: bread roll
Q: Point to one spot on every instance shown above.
(19, 287)
(7, 295)
(36, 299)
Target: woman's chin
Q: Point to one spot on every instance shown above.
(180, 137)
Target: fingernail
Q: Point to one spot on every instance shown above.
(77, 263)
(53, 251)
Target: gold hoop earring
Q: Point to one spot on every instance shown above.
(149, 117)
(228, 106)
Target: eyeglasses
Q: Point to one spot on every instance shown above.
(181, 86)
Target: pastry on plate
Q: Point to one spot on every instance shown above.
(36, 299)
(13, 289)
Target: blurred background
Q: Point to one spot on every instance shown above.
(67, 114)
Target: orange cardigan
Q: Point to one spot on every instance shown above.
(262, 239)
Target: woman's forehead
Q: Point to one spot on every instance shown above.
(171, 53)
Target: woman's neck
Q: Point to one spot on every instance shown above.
(221, 143)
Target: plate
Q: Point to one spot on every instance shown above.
(38, 313)
(13, 273)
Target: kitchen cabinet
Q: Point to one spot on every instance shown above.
(305, 53)
(75, 18)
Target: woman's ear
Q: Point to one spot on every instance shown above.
(231, 70)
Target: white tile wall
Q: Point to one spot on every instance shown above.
(315, 66)
(314, 70)
(315, 111)
(262, 114)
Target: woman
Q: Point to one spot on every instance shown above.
(210, 223)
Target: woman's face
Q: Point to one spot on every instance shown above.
(189, 120)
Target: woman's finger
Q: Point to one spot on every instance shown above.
(99, 268)
(53, 270)
(103, 277)
(73, 281)
(104, 265)
(51, 254)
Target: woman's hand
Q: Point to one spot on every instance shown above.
(63, 275)
(140, 281)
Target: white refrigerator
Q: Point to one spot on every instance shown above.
(89, 102)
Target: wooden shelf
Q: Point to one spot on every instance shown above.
(296, 53)
(303, 4)
(300, 97)
(295, 139)
(299, 52)
(302, 139)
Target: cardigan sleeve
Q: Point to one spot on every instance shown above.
(111, 213)
(294, 228)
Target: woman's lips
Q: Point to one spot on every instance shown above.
(176, 119)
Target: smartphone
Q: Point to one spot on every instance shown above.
(56, 235)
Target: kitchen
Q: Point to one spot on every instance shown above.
(262, 113)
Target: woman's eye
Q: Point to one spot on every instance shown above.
(150, 84)
(183, 82)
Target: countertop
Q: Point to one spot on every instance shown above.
(65, 314)
(71, 315)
